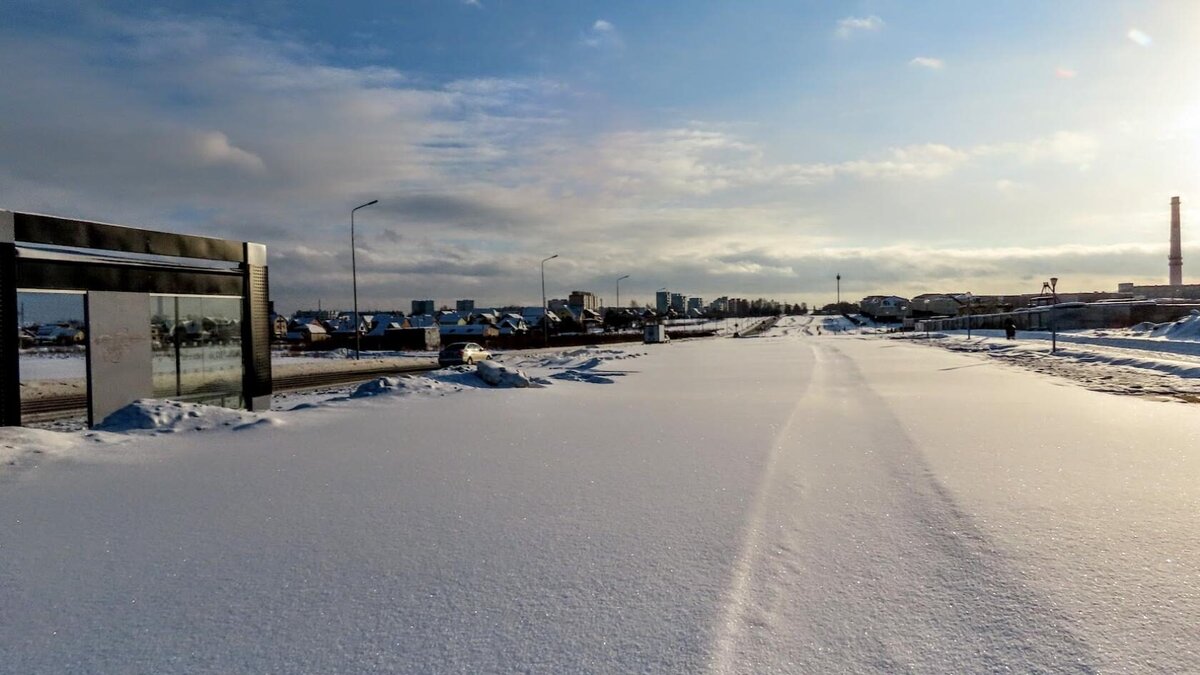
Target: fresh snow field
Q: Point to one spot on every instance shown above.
(789, 503)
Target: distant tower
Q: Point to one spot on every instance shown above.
(1176, 258)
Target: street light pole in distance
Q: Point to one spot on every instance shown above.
(619, 290)
(1053, 284)
(354, 273)
(545, 319)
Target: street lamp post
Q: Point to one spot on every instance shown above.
(1053, 284)
(354, 274)
(619, 291)
(839, 292)
(545, 319)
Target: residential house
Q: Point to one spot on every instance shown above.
(533, 317)
(936, 304)
(512, 324)
(448, 318)
(307, 333)
(885, 308)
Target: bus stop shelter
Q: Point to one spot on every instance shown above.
(166, 315)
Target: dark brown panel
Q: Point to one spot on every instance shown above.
(86, 276)
(256, 333)
(38, 229)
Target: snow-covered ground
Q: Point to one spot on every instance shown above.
(1160, 360)
(792, 503)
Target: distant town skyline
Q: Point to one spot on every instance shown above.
(749, 149)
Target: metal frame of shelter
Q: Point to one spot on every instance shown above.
(96, 257)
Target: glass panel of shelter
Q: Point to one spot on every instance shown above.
(197, 348)
(52, 342)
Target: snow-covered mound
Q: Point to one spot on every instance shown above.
(404, 386)
(1187, 328)
(499, 376)
(174, 416)
(583, 358)
(19, 443)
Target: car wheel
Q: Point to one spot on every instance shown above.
(470, 362)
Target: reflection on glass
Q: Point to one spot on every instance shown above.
(197, 348)
(52, 361)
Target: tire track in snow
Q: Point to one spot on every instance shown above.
(738, 595)
(856, 559)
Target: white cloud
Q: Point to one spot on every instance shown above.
(602, 35)
(473, 3)
(1064, 73)
(214, 148)
(852, 24)
(1061, 147)
(1140, 38)
(928, 62)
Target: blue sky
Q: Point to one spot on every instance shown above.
(715, 148)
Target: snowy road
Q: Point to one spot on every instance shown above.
(787, 504)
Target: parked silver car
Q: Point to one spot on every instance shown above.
(462, 353)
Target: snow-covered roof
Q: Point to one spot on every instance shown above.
(534, 315)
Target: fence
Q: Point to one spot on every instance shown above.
(1069, 316)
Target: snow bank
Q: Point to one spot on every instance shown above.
(404, 386)
(174, 416)
(499, 376)
(18, 444)
(1187, 328)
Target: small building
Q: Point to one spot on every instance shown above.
(307, 333)
(533, 317)
(936, 304)
(279, 327)
(484, 316)
(381, 323)
(655, 333)
(885, 308)
(416, 339)
(448, 318)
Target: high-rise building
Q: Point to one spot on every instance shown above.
(464, 305)
(584, 299)
(695, 303)
(423, 307)
(662, 301)
(679, 303)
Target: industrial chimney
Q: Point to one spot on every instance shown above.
(1176, 258)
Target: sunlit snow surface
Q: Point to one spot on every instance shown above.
(790, 503)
